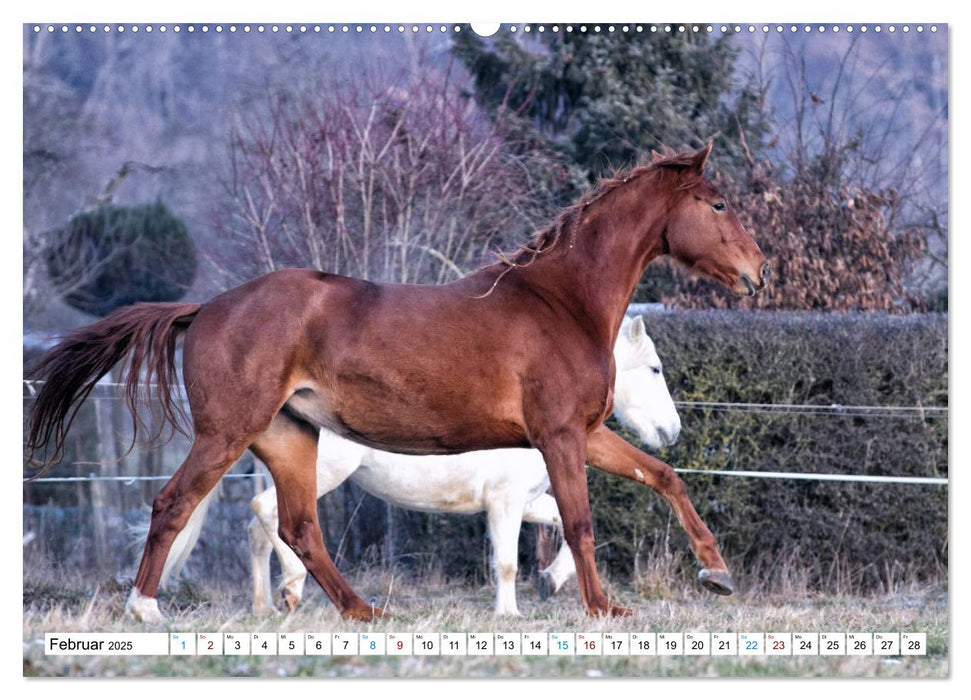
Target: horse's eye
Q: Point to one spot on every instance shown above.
(656, 370)
(720, 206)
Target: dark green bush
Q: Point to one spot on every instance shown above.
(113, 256)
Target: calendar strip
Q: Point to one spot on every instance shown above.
(583, 644)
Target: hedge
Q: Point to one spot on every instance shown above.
(833, 535)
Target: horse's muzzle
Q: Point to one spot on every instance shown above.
(753, 287)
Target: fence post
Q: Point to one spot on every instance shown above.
(100, 496)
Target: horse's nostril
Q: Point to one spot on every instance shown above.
(668, 436)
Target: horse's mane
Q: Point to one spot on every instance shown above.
(566, 221)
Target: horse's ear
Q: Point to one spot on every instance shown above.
(701, 157)
(637, 329)
(655, 156)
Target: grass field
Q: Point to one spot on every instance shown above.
(422, 606)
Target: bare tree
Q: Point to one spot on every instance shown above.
(397, 179)
(861, 128)
(847, 198)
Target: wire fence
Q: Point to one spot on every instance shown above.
(832, 410)
(84, 519)
(923, 412)
(836, 410)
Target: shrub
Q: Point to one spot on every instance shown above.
(113, 256)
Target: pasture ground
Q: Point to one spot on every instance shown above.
(434, 605)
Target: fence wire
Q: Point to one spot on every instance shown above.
(923, 412)
(832, 410)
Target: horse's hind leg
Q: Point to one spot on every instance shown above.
(332, 471)
(264, 537)
(612, 454)
(208, 459)
(289, 450)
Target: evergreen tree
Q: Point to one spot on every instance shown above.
(606, 100)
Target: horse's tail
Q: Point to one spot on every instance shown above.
(184, 542)
(146, 333)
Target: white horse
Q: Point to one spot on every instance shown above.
(508, 484)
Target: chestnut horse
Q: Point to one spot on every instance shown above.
(516, 354)
(509, 485)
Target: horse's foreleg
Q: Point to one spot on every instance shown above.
(564, 455)
(542, 510)
(289, 450)
(504, 520)
(612, 454)
(208, 459)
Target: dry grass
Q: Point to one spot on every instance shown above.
(432, 604)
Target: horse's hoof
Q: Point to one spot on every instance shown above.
(363, 613)
(290, 599)
(716, 581)
(544, 585)
(143, 608)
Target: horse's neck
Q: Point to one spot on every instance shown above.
(594, 270)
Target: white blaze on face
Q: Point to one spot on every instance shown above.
(642, 401)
